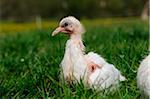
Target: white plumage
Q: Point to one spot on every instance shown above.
(143, 77)
(105, 76)
(91, 68)
(73, 63)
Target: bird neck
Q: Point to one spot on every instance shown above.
(76, 40)
(76, 37)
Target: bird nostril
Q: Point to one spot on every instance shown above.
(66, 24)
(93, 68)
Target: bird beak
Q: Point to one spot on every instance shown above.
(57, 30)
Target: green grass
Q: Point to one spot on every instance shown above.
(29, 61)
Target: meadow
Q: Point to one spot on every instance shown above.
(30, 58)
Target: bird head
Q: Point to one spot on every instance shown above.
(69, 25)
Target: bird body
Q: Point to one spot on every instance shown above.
(143, 77)
(77, 65)
(105, 76)
(73, 63)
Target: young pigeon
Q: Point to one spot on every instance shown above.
(143, 77)
(76, 65)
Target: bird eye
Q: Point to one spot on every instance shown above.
(66, 24)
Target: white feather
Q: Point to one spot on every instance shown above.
(143, 76)
(97, 59)
(106, 76)
(74, 63)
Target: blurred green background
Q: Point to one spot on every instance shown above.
(26, 15)
(118, 30)
(25, 10)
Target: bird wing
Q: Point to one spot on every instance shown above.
(106, 77)
(92, 57)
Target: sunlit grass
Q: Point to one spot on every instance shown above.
(29, 60)
(11, 27)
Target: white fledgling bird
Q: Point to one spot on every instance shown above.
(73, 64)
(143, 77)
(91, 68)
